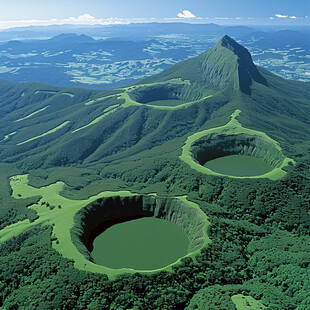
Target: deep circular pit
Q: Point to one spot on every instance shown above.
(114, 216)
(240, 155)
(161, 94)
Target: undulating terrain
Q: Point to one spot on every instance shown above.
(64, 152)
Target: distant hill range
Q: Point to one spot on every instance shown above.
(130, 31)
(146, 31)
(106, 57)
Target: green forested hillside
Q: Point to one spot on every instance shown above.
(123, 139)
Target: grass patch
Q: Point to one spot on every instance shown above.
(6, 137)
(111, 109)
(97, 100)
(67, 94)
(32, 114)
(46, 133)
(168, 102)
(45, 92)
(247, 303)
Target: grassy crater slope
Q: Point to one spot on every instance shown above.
(232, 138)
(75, 221)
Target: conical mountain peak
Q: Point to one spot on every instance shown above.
(230, 44)
(226, 65)
(227, 41)
(236, 62)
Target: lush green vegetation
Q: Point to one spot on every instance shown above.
(258, 250)
(259, 227)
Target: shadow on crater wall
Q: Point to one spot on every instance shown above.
(93, 219)
(214, 146)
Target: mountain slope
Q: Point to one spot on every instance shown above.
(227, 64)
(51, 126)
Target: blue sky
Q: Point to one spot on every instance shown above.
(101, 11)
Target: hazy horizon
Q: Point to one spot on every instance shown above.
(95, 12)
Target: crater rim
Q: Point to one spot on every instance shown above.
(178, 210)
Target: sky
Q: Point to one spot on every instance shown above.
(44, 12)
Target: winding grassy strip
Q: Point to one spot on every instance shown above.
(45, 92)
(34, 113)
(46, 133)
(68, 94)
(111, 109)
(129, 102)
(8, 136)
(247, 303)
(232, 127)
(126, 89)
(62, 220)
(99, 99)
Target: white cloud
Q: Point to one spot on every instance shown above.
(286, 16)
(186, 14)
(281, 16)
(271, 17)
(84, 19)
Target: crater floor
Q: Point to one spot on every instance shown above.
(143, 244)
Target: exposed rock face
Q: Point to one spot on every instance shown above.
(98, 216)
(218, 145)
